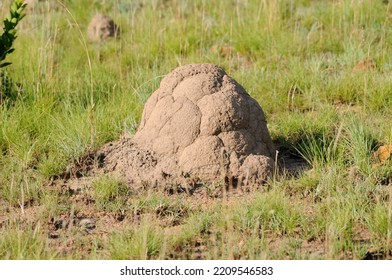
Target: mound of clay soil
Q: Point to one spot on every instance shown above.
(200, 125)
(101, 28)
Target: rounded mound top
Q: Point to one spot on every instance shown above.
(206, 123)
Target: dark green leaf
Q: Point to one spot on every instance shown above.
(10, 51)
(4, 64)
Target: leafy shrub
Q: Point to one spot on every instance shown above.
(9, 35)
(6, 40)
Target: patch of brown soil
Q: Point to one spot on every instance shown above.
(313, 248)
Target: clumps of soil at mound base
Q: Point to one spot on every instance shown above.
(101, 28)
(200, 125)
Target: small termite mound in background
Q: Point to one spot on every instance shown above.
(101, 28)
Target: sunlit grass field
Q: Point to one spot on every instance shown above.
(321, 71)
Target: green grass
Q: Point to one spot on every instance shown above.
(110, 193)
(296, 58)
